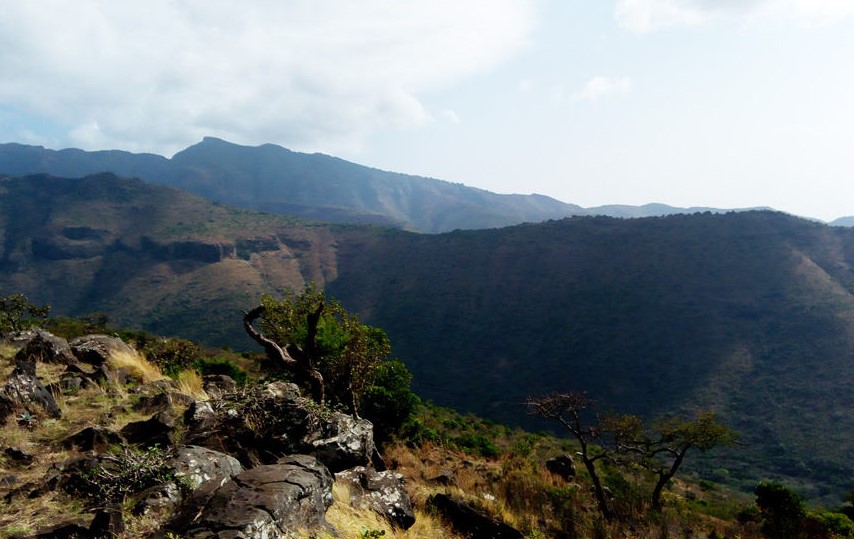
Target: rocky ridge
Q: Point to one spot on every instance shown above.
(255, 461)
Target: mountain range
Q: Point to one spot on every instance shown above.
(314, 186)
(747, 313)
(750, 313)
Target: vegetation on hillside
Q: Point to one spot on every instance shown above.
(750, 314)
(498, 470)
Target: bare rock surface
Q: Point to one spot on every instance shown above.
(274, 501)
(382, 492)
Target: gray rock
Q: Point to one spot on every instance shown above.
(272, 501)
(262, 424)
(97, 349)
(24, 392)
(198, 465)
(159, 499)
(46, 347)
(343, 442)
(382, 492)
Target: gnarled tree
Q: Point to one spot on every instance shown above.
(299, 360)
(321, 343)
(567, 409)
(662, 449)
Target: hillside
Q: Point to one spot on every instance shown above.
(150, 256)
(747, 313)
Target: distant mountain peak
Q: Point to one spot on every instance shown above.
(316, 186)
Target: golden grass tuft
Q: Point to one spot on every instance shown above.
(136, 365)
(190, 383)
(352, 523)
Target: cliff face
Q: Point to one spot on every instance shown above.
(151, 256)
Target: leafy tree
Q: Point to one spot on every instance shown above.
(18, 314)
(663, 448)
(323, 345)
(567, 409)
(783, 511)
(389, 402)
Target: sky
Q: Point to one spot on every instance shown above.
(718, 103)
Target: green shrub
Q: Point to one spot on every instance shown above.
(477, 444)
(172, 355)
(123, 473)
(389, 402)
(828, 523)
(219, 365)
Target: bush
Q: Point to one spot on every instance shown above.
(220, 366)
(829, 524)
(783, 511)
(18, 314)
(123, 473)
(389, 403)
(477, 444)
(172, 355)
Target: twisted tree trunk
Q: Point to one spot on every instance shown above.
(291, 357)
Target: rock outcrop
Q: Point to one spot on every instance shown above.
(256, 461)
(263, 424)
(382, 492)
(274, 501)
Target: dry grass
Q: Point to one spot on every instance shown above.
(190, 383)
(137, 366)
(354, 523)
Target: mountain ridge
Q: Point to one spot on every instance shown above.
(315, 186)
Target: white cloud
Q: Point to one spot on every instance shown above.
(649, 15)
(598, 87)
(160, 74)
(451, 116)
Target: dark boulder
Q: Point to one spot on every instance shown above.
(45, 347)
(108, 523)
(217, 384)
(154, 431)
(97, 349)
(150, 404)
(92, 439)
(72, 529)
(342, 442)
(562, 466)
(271, 501)
(159, 499)
(194, 468)
(18, 456)
(469, 521)
(382, 492)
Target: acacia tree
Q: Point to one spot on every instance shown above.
(18, 314)
(567, 409)
(662, 449)
(322, 344)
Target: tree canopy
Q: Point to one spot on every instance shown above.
(344, 361)
(17, 313)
